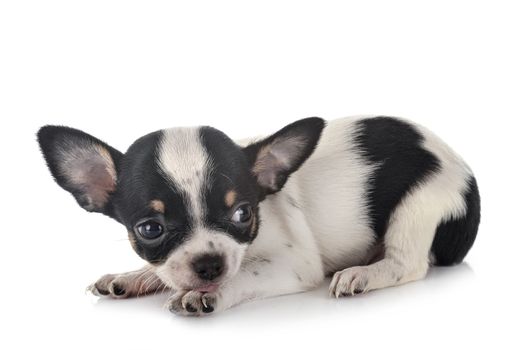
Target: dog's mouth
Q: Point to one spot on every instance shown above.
(208, 288)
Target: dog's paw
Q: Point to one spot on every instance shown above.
(192, 303)
(114, 286)
(351, 281)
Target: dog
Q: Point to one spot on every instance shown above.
(371, 201)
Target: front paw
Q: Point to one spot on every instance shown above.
(113, 286)
(192, 303)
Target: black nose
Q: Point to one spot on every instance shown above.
(208, 267)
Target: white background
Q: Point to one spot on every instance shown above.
(122, 69)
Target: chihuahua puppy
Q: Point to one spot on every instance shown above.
(371, 201)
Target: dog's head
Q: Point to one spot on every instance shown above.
(187, 196)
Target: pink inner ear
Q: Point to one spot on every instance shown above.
(267, 179)
(99, 183)
(275, 158)
(92, 170)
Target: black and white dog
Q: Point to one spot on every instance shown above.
(373, 201)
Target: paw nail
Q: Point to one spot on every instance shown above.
(190, 308)
(118, 290)
(207, 309)
(100, 291)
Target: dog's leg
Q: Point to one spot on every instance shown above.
(406, 258)
(407, 240)
(129, 284)
(259, 277)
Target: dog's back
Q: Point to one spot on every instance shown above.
(380, 181)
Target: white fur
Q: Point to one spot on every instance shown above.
(177, 271)
(185, 163)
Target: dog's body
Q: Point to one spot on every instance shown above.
(371, 201)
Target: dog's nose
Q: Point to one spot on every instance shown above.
(208, 267)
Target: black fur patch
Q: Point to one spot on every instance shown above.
(396, 147)
(141, 181)
(230, 171)
(454, 238)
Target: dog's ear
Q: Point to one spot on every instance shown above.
(274, 158)
(82, 165)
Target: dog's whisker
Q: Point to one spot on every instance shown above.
(228, 178)
(155, 280)
(162, 289)
(145, 283)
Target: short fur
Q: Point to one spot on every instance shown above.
(373, 201)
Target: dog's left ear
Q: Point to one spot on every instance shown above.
(273, 159)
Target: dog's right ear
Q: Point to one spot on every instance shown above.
(82, 165)
(273, 159)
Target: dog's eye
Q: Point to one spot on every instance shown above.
(150, 229)
(242, 215)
